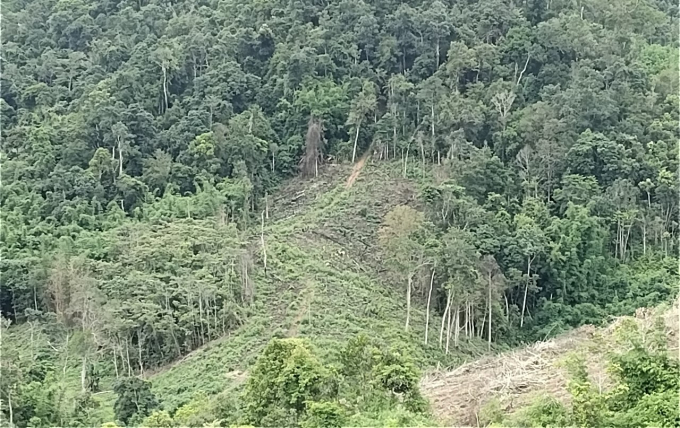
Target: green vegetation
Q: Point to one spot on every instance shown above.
(174, 198)
(645, 394)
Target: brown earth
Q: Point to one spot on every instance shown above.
(519, 377)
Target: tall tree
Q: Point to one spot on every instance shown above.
(401, 237)
(364, 104)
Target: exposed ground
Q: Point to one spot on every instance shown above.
(325, 281)
(518, 377)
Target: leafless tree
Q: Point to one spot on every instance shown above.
(309, 165)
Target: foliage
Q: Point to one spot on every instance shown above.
(289, 386)
(645, 392)
(142, 142)
(135, 400)
(284, 380)
(324, 414)
(158, 418)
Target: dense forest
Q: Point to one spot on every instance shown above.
(142, 142)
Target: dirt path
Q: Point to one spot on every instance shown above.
(357, 169)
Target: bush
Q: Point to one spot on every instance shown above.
(286, 376)
(324, 414)
(158, 418)
(135, 399)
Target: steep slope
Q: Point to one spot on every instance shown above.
(324, 281)
(514, 379)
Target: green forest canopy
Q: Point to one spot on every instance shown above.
(543, 136)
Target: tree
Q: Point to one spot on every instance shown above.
(309, 165)
(398, 94)
(431, 92)
(399, 236)
(494, 278)
(460, 259)
(284, 382)
(139, 141)
(165, 57)
(364, 103)
(158, 419)
(531, 242)
(121, 136)
(438, 26)
(135, 400)
(324, 414)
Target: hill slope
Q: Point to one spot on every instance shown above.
(515, 379)
(324, 281)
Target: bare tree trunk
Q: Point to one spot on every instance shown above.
(526, 290)
(83, 373)
(127, 354)
(31, 324)
(264, 248)
(120, 157)
(644, 236)
(465, 321)
(618, 237)
(115, 363)
(480, 330)
(422, 155)
(408, 302)
(208, 312)
(10, 408)
(448, 331)
(456, 331)
(215, 316)
(489, 346)
(394, 138)
(523, 70)
(200, 316)
(507, 308)
(406, 158)
(139, 348)
(427, 312)
(446, 310)
(472, 320)
(356, 139)
(266, 205)
(165, 87)
(434, 142)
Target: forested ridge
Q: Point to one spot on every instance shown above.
(145, 145)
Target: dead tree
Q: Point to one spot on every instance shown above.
(309, 165)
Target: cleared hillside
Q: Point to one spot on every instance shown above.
(515, 379)
(324, 281)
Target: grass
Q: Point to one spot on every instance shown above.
(325, 281)
(24, 343)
